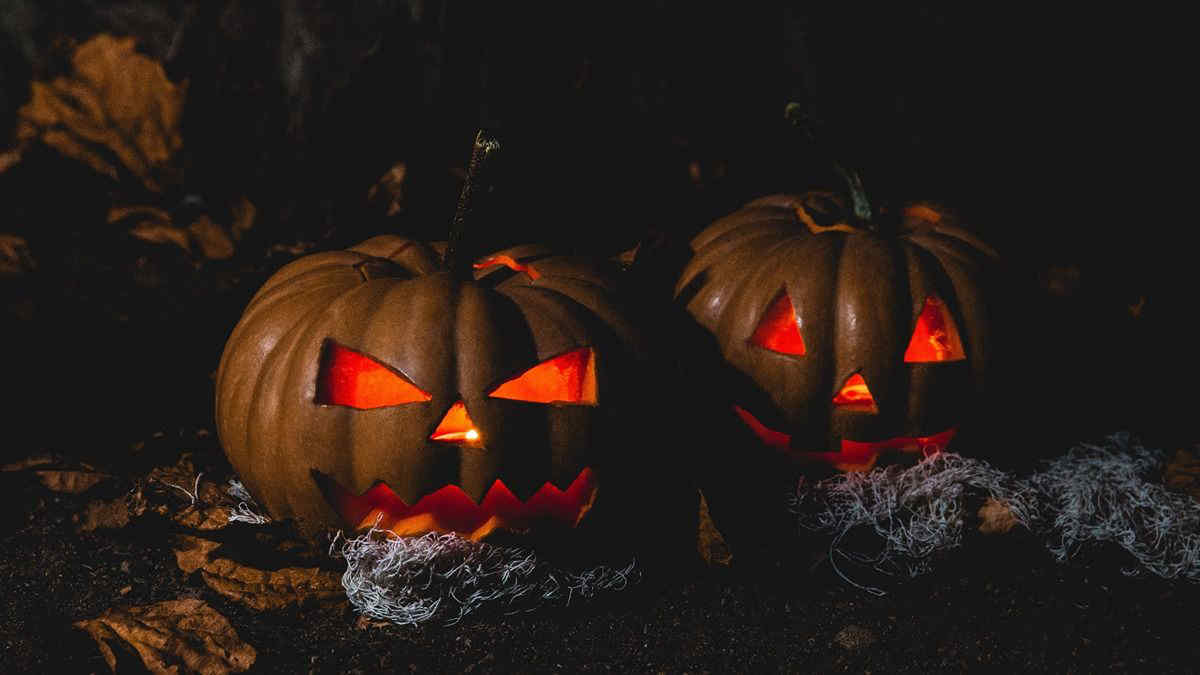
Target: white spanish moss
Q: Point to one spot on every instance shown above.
(1093, 494)
(247, 510)
(413, 580)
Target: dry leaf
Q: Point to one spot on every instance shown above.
(1183, 472)
(193, 552)
(116, 108)
(180, 479)
(266, 589)
(157, 233)
(389, 189)
(15, 258)
(9, 159)
(170, 637)
(103, 514)
(709, 541)
(73, 482)
(31, 463)
(213, 242)
(203, 518)
(996, 517)
(243, 213)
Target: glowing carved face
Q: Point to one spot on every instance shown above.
(351, 379)
(934, 339)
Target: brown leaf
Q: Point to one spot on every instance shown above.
(9, 159)
(243, 213)
(709, 541)
(158, 233)
(995, 517)
(203, 518)
(103, 514)
(116, 108)
(266, 589)
(1183, 472)
(212, 240)
(192, 553)
(15, 258)
(181, 478)
(31, 462)
(389, 189)
(170, 637)
(73, 482)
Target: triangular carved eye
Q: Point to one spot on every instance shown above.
(566, 378)
(935, 337)
(359, 381)
(779, 329)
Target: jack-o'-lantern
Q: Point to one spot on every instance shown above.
(381, 386)
(858, 336)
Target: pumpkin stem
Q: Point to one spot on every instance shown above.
(861, 206)
(475, 190)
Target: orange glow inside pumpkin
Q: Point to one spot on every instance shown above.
(566, 378)
(449, 509)
(351, 379)
(855, 396)
(935, 337)
(509, 262)
(779, 329)
(456, 426)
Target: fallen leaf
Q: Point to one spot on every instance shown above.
(203, 518)
(103, 514)
(995, 517)
(170, 637)
(31, 463)
(73, 482)
(180, 479)
(115, 109)
(213, 242)
(15, 258)
(709, 541)
(272, 589)
(157, 233)
(389, 189)
(9, 159)
(243, 213)
(1183, 472)
(191, 553)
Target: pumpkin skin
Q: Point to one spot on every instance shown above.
(857, 295)
(455, 341)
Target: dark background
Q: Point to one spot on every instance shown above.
(1050, 131)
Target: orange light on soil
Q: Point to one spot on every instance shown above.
(449, 509)
(456, 425)
(779, 330)
(508, 262)
(935, 337)
(358, 381)
(855, 395)
(567, 378)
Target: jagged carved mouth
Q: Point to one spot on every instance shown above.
(450, 509)
(854, 455)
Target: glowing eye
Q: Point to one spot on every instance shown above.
(358, 381)
(567, 378)
(779, 329)
(935, 337)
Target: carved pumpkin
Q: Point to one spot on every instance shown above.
(856, 338)
(373, 385)
(383, 385)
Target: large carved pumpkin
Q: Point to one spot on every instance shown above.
(855, 338)
(372, 385)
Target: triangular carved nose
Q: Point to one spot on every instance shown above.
(855, 396)
(456, 426)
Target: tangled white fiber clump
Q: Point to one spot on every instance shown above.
(1094, 493)
(413, 580)
(247, 510)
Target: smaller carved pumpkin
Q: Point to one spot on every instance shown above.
(856, 339)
